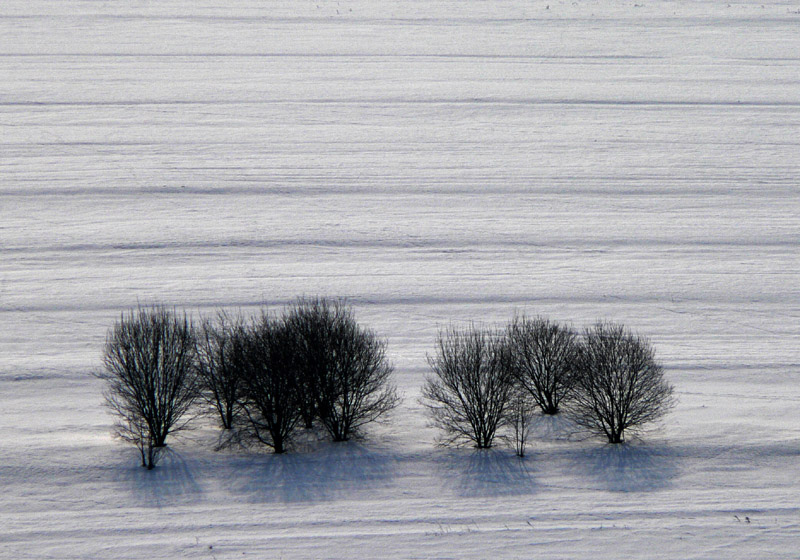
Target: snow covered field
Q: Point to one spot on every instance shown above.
(433, 161)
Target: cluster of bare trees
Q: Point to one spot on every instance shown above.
(262, 377)
(607, 380)
(313, 366)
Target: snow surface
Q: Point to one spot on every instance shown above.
(434, 161)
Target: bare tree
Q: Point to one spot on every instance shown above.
(541, 357)
(219, 374)
(519, 416)
(151, 379)
(620, 386)
(264, 352)
(468, 394)
(343, 374)
(307, 320)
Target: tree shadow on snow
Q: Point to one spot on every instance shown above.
(552, 428)
(169, 483)
(488, 472)
(329, 471)
(627, 467)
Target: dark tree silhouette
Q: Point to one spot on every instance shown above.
(219, 374)
(342, 370)
(151, 378)
(468, 395)
(619, 385)
(541, 357)
(264, 353)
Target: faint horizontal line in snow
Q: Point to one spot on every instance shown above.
(284, 185)
(328, 55)
(246, 244)
(353, 20)
(426, 301)
(435, 245)
(726, 367)
(406, 101)
(322, 18)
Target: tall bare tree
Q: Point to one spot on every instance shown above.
(264, 352)
(343, 372)
(541, 357)
(468, 395)
(219, 374)
(151, 378)
(620, 386)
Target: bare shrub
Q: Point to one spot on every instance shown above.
(150, 372)
(218, 373)
(619, 386)
(469, 392)
(519, 416)
(541, 357)
(263, 352)
(342, 370)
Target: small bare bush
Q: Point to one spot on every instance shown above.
(519, 417)
(151, 377)
(619, 386)
(468, 393)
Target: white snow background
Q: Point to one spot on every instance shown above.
(434, 162)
